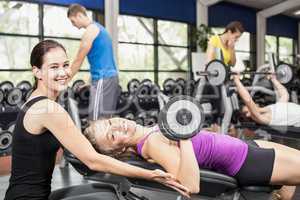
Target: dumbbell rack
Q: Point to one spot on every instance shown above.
(11, 99)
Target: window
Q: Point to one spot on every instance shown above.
(282, 47)
(57, 24)
(286, 50)
(173, 43)
(18, 33)
(149, 48)
(16, 76)
(15, 52)
(19, 17)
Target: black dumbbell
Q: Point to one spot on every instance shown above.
(5, 142)
(146, 82)
(133, 85)
(84, 93)
(76, 86)
(189, 87)
(168, 86)
(178, 90)
(14, 97)
(180, 81)
(25, 87)
(1, 96)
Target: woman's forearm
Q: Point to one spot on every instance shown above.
(279, 88)
(188, 173)
(108, 164)
(243, 92)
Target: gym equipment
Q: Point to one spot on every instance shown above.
(28, 93)
(181, 118)
(168, 86)
(14, 97)
(146, 82)
(133, 85)
(181, 81)
(5, 142)
(1, 96)
(6, 86)
(154, 90)
(189, 87)
(84, 93)
(77, 84)
(216, 73)
(24, 85)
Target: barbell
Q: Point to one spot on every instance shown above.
(216, 73)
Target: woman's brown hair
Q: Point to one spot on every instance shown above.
(234, 26)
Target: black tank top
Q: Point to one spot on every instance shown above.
(33, 161)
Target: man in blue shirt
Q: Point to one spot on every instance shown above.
(96, 44)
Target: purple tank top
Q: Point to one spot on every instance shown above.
(221, 153)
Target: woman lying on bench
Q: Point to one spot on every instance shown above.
(282, 113)
(253, 163)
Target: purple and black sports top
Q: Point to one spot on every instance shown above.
(221, 153)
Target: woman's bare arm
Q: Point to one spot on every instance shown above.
(181, 162)
(56, 120)
(247, 99)
(281, 92)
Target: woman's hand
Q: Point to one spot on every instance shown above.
(169, 180)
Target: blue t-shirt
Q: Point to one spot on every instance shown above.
(101, 57)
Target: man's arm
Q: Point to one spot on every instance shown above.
(85, 46)
(247, 99)
(282, 94)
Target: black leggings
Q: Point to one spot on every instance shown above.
(258, 166)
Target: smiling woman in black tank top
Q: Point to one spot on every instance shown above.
(43, 125)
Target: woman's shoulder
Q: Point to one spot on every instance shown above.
(46, 106)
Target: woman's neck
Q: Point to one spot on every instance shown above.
(139, 134)
(42, 91)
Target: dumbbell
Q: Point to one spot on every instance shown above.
(76, 86)
(189, 87)
(181, 81)
(14, 97)
(181, 118)
(84, 93)
(216, 73)
(1, 96)
(133, 85)
(146, 82)
(5, 142)
(5, 87)
(151, 118)
(124, 101)
(25, 87)
(168, 86)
